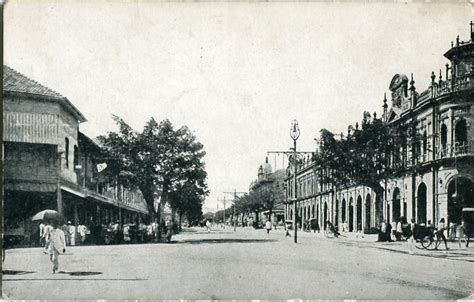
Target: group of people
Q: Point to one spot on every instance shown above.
(54, 238)
(402, 230)
(111, 233)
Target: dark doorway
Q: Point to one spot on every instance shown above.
(389, 220)
(421, 204)
(359, 213)
(351, 215)
(343, 211)
(460, 195)
(396, 204)
(367, 212)
(325, 214)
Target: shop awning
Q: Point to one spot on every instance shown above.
(88, 194)
(29, 186)
(72, 191)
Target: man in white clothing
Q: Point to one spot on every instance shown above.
(57, 243)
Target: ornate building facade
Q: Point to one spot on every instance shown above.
(438, 168)
(267, 179)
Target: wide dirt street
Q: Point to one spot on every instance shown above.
(248, 264)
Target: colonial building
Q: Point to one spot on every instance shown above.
(275, 182)
(438, 177)
(49, 164)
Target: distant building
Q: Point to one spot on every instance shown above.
(275, 182)
(49, 164)
(438, 169)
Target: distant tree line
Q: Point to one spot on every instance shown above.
(256, 201)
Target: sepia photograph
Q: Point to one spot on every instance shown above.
(238, 150)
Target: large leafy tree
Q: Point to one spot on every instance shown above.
(367, 155)
(360, 158)
(163, 163)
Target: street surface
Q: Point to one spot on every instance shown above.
(248, 264)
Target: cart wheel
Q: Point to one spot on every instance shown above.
(419, 243)
(429, 243)
(328, 234)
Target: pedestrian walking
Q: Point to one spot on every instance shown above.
(440, 233)
(452, 231)
(71, 234)
(411, 237)
(268, 226)
(47, 235)
(399, 230)
(468, 230)
(57, 244)
(126, 233)
(169, 231)
(41, 234)
(82, 232)
(345, 227)
(208, 226)
(287, 234)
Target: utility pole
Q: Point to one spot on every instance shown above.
(294, 154)
(235, 198)
(224, 202)
(294, 134)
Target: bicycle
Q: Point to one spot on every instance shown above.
(425, 238)
(331, 231)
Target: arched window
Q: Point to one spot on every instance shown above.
(67, 152)
(460, 135)
(444, 138)
(425, 143)
(76, 156)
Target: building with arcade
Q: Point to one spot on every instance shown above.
(438, 168)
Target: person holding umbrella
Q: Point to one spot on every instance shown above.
(57, 240)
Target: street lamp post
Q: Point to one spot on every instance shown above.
(295, 134)
(235, 198)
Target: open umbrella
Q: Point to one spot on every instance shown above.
(50, 215)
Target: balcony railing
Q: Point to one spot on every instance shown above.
(459, 83)
(456, 150)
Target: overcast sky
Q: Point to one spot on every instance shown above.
(235, 73)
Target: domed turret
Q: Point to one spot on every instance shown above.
(267, 168)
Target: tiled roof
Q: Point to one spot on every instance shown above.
(17, 82)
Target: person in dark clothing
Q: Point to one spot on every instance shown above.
(468, 229)
(388, 233)
(332, 228)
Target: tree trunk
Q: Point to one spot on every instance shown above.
(180, 220)
(150, 202)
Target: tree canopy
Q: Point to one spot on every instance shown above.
(162, 162)
(367, 155)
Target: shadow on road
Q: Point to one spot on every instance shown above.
(80, 273)
(77, 279)
(223, 240)
(12, 272)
